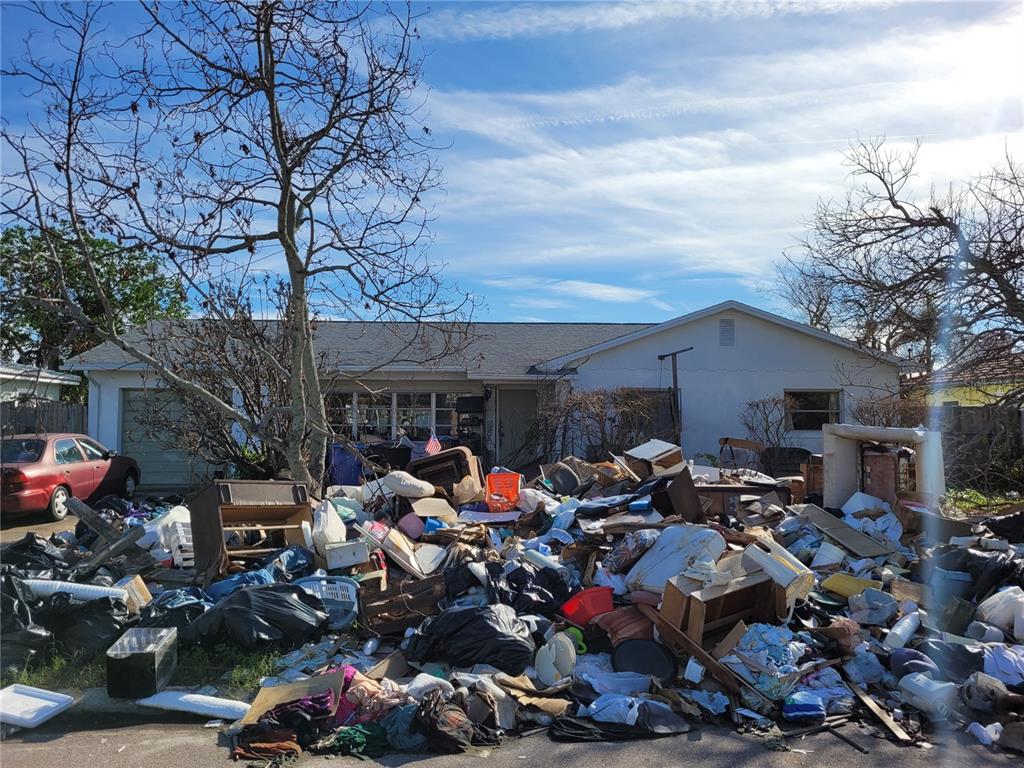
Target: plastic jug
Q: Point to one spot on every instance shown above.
(903, 630)
(930, 696)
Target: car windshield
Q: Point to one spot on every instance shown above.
(21, 451)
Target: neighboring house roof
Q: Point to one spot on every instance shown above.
(494, 350)
(18, 372)
(563, 361)
(1007, 370)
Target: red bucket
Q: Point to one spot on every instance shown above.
(588, 604)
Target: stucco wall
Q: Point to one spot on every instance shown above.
(717, 381)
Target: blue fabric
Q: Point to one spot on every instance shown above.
(904, 661)
(175, 598)
(803, 705)
(221, 589)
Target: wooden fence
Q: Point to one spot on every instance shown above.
(33, 416)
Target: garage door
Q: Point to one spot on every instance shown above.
(162, 465)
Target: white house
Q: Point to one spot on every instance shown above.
(18, 381)
(486, 395)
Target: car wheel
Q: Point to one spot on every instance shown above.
(59, 503)
(128, 486)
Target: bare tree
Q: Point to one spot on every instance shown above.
(601, 421)
(232, 138)
(767, 420)
(937, 278)
(889, 411)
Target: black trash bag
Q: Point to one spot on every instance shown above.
(21, 639)
(527, 589)
(280, 615)
(1009, 527)
(115, 504)
(33, 557)
(458, 580)
(990, 571)
(492, 634)
(174, 608)
(82, 627)
(569, 728)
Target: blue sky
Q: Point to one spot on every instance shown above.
(633, 162)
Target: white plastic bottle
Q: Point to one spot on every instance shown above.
(903, 630)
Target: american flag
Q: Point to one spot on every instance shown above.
(433, 445)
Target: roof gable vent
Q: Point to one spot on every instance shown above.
(727, 333)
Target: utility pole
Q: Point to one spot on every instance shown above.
(677, 402)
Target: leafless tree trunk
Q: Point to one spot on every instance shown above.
(234, 138)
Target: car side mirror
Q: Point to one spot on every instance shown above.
(109, 455)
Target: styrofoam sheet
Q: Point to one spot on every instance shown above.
(27, 707)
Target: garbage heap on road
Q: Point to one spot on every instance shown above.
(440, 608)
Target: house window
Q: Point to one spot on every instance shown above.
(446, 420)
(373, 417)
(809, 410)
(415, 412)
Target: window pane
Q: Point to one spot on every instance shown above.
(67, 452)
(92, 451)
(414, 400)
(810, 410)
(373, 413)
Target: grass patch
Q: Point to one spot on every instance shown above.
(236, 672)
(969, 501)
(61, 673)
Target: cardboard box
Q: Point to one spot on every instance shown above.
(138, 593)
(698, 612)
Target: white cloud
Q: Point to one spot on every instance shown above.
(534, 20)
(539, 290)
(719, 175)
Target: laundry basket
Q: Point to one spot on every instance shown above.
(340, 595)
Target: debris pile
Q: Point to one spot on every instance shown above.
(440, 608)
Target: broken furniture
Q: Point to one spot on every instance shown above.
(111, 543)
(737, 453)
(843, 463)
(446, 468)
(700, 611)
(653, 458)
(228, 514)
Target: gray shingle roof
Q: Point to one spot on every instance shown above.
(492, 349)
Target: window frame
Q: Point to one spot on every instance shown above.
(74, 444)
(832, 415)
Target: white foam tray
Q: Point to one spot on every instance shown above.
(27, 707)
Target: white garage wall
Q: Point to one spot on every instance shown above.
(105, 403)
(717, 381)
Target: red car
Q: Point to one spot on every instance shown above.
(41, 472)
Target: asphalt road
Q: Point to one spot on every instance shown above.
(113, 743)
(14, 528)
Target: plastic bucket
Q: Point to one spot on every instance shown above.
(584, 606)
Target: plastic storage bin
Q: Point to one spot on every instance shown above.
(588, 604)
(340, 595)
(502, 491)
(141, 662)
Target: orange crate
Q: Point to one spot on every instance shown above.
(502, 491)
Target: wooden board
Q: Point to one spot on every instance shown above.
(893, 727)
(676, 638)
(834, 528)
